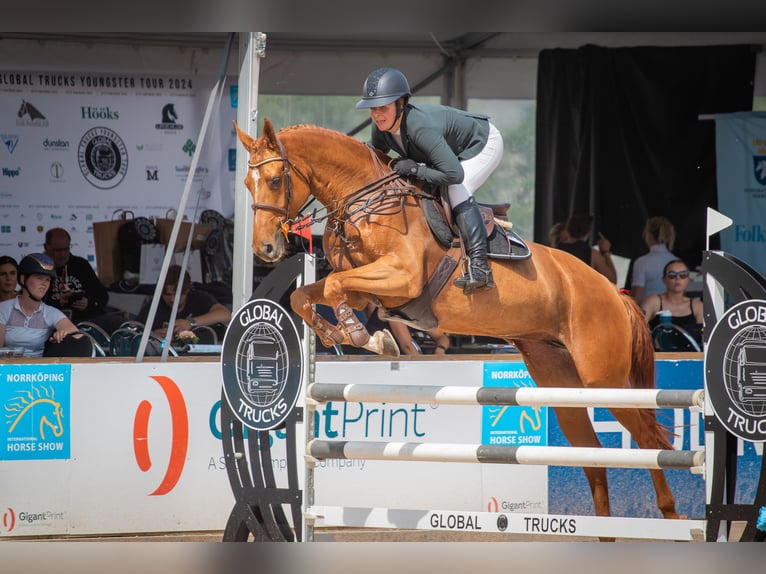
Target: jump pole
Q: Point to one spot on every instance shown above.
(512, 396)
(510, 523)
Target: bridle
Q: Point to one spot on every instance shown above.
(288, 182)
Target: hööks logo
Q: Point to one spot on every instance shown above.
(736, 370)
(262, 364)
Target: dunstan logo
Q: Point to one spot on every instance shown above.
(103, 157)
(179, 437)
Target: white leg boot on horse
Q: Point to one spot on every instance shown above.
(478, 275)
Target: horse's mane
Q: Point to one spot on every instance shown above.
(335, 135)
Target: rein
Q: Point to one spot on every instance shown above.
(369, 200)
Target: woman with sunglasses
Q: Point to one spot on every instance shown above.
(686, 312)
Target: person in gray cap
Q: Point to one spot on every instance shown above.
(442, 146)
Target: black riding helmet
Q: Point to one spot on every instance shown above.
(383, 86)
(37, 263)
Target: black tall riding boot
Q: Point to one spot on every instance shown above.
(474, 237)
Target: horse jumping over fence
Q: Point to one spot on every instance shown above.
(571, 325)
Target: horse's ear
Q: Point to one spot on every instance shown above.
(270, 134)
(245, 138)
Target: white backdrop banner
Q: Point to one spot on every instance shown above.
(76, 147)
(741, 167)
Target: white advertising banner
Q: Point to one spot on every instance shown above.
(76, 147)
(106, 447)
(121, 447)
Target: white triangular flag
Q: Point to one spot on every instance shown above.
(716, 222)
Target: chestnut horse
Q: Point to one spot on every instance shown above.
(570, 324)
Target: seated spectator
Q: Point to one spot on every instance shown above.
(647, 277)
(27, 322)
(196, 307)
(578, 229)
(9, 280)
(558, 234)
(76, 288)
(685, 312)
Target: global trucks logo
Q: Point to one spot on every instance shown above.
(103, 157)
(262, 364)
(735, 369)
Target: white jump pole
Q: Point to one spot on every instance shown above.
(494, 454)
(513, 396)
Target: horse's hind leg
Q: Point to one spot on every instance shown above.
(578, 430)
(649, 434)
(552, 366)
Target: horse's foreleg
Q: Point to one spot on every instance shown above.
(302, 301)
(382, 278)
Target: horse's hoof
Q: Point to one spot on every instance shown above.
(383, 343)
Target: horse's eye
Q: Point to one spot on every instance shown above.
(275, 182)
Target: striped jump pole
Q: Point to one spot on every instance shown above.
(511, 396)
(495, 454)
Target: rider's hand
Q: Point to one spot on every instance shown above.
(406, 167)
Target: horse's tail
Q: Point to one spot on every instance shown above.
(642, 367)
(642, 356)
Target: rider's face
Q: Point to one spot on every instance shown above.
(385, 117)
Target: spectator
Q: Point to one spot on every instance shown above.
(578, 228)
(686, 312)
(9, 280)
(647, 277)
(76, 288)
(27, 322)
(195, 308)
(558, 234)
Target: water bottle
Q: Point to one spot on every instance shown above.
(666, 317)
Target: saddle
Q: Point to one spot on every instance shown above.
(502, 243)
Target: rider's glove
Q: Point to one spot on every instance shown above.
(406, 167)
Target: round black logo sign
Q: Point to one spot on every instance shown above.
(735, 368)
(103, 157)
(262, 364)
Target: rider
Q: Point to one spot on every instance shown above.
(440, 145)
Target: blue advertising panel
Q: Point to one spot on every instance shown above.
(36, 411)
(508, 425)
(631, 492)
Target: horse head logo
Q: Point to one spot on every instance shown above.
(39, 402)
(28, 109)
(169, 115)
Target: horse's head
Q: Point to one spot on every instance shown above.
(270, 185)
